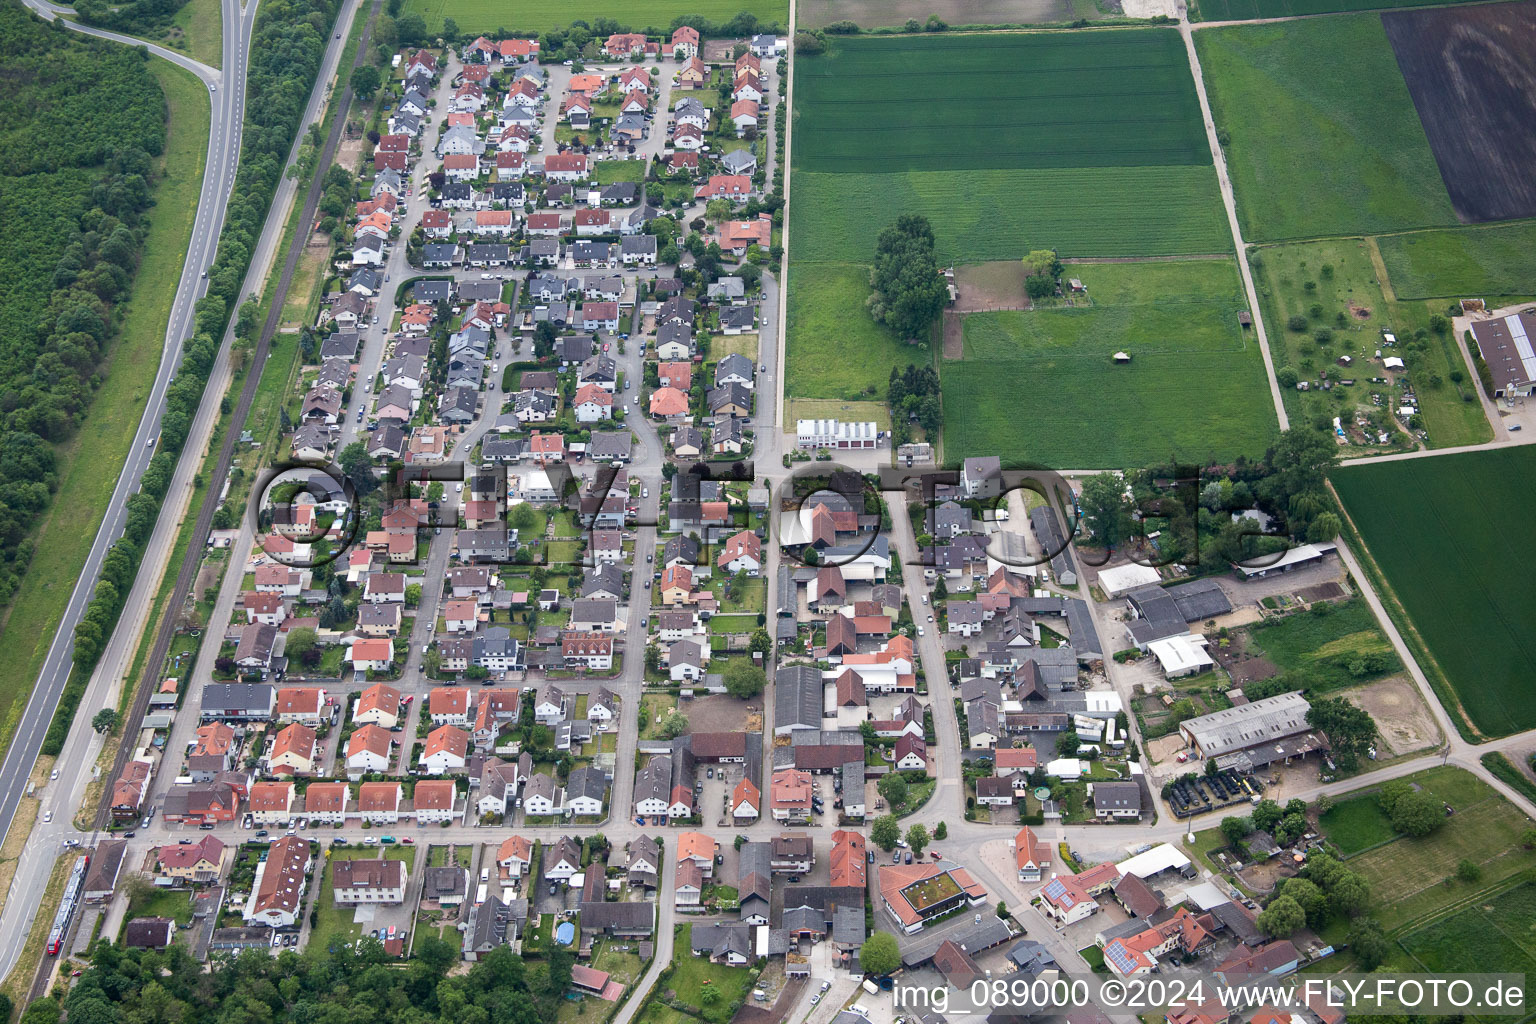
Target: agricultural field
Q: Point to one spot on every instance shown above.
(1440, 530)
(1041, 385)
(1080, 212)
(882, 13)
(1337, 647)
(1458, 63)
(1245, 10)
(1412, 874)
(488, 16)
(1335, 287)
(1493, 935)
(1128, 173)
(1492, 262)
(1133, 103)
(1322, 135)
(836, 348)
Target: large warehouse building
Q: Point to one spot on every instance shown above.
(1506, 345)
(1251, 735)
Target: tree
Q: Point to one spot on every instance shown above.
(673, 726)
(885, 831)
(1106, 512)
(1067, 743)
(917, 838)
(1468, 870)
(413, 594)
(1266, 815)
(894, 788)
(1291, 828)
(1350, 894)
(761, 642)
(1212, 769)
(744, 679)
(356, 463)
(1351, 730)
(1308, 897)
(1418, 813)
(366, 81)
(1368, 944)
(908, 290)
(106, 720)
(300, 642)
(1282, 917)
(411, 30)
(1235, 829)
(880, 955)
(940, 832)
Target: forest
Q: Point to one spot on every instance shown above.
(80, 122)
(352, 984)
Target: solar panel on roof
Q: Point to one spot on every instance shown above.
(1121, 957)
(1054, 888)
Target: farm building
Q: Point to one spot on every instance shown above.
(1122, 579)
(1258, 733)
(1506, 346)
(1182, 655)
(1294, 558)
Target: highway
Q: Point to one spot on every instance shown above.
(75, 766)
(228, 105)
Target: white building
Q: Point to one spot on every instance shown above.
(836, 434)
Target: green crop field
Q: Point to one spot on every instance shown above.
(1324, 138)
(1041, 386)
(1244, 10)
(1469, 262)
(1107, 99)
(1442, 529)
(1089, 143)
(1080, 212)
(540, 15)
(836, 350)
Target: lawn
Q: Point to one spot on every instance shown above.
(606, 172)
(333, 923)
(89, 463)
(1318, 108)
(1409, 875)
(1494, 935)
(1468, 262)
(691, 974)
(175, 904)
(1334, 285)
(1132, 103)
(1357, 824)
(1321, 648)
(1244, 10)
(836, 350)
(1440, 530)
(1042, 385)
(1080, 212)
(653, 705)
(537, 16)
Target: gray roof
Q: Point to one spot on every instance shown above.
(1116, 796)
(1249, 725)
(585, 781)
(739, 161)
(612, 444)
(1202, 599)
(737, 316)
(797, 697)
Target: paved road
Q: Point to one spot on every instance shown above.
(227, 110)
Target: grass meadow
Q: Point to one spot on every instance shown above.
(1492, 261)
(1041, 386)
(540, 15)
(1492, 934)
(1441, 531)
(1324, 138)
(1357, 824)
(1320, 647)
(836, 349)
(1409, 876)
